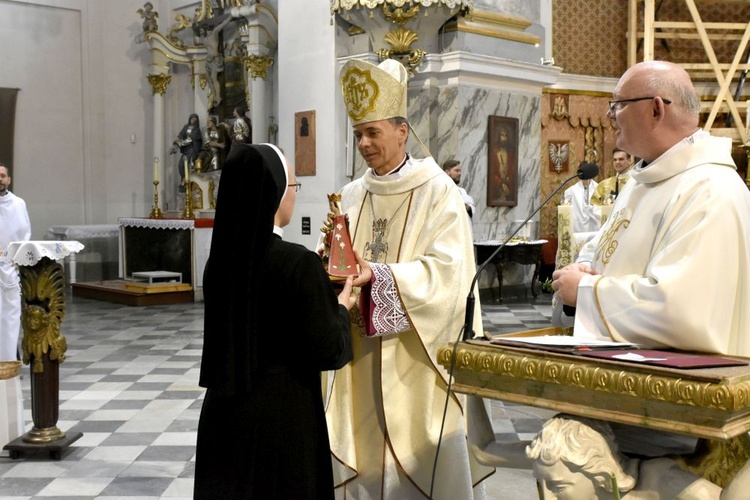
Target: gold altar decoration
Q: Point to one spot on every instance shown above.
(211, 194)
(399, 15)
(258, 66)
(187, 213)
(385, 22)
(559, 106)
(156, 212)
(400, 41)
(196, 193)
(159, 83)
(717, 400)
(42, 311)
(711, 404)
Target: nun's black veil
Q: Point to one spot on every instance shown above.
(253, 182)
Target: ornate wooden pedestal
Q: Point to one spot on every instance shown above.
(712, 404)
(42, 311)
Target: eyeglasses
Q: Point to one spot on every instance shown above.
(617, 105)
(297, 186)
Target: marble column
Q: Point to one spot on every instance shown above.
(159, 83)
(257, 67)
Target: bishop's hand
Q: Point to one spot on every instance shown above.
(365, 272)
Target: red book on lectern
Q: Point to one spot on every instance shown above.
(341, 261)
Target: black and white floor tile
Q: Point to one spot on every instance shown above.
(130, 385)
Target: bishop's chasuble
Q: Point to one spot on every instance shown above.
(385, 408)
(674, 255)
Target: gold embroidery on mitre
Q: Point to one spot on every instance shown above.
(607, 243)
(373, 93)
(360, 93)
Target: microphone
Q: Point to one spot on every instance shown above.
(585, 172)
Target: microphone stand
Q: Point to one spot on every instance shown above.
(470, 299)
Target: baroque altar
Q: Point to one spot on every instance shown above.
(223, 51)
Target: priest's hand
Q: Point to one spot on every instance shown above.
(365, 272)
(346, 297)
(565, 282)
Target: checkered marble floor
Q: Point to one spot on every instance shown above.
(130, 385)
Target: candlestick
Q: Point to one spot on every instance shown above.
(156, 212)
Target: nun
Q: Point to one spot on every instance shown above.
(273, 323)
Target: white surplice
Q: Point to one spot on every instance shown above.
(586, 217)
(15, 226)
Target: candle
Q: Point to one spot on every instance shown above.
(156, 169)
(187, 175)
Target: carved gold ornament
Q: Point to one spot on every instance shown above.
(181, 22)
(42, 312)
(211, 195)
(258, 66)
(400, 41)
(399, 15)
(560, 372)
(560, 108)
(341, 5)
(159, 83)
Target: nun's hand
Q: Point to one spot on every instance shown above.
(346, 297)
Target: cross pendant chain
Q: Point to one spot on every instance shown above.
(378, 244)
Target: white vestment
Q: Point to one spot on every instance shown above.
(468, 200)
(15, 226)
(385, 408)
(585, 215)
(674, 255)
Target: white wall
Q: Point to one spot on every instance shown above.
(308, 80)
(82, 96)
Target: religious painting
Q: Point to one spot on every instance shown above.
(559, 155)
(304, 143)
(502, 163)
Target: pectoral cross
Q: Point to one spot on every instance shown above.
(378, 245)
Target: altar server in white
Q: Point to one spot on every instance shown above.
(671, 266)
(14, 226)
(585, 216)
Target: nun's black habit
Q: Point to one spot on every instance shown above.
(272, 324)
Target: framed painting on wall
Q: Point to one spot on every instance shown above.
(304, 143)
(502, 163)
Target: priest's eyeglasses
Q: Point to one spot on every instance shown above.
(615, 106)
(297, 186)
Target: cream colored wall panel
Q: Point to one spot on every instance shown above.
(40, 46)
